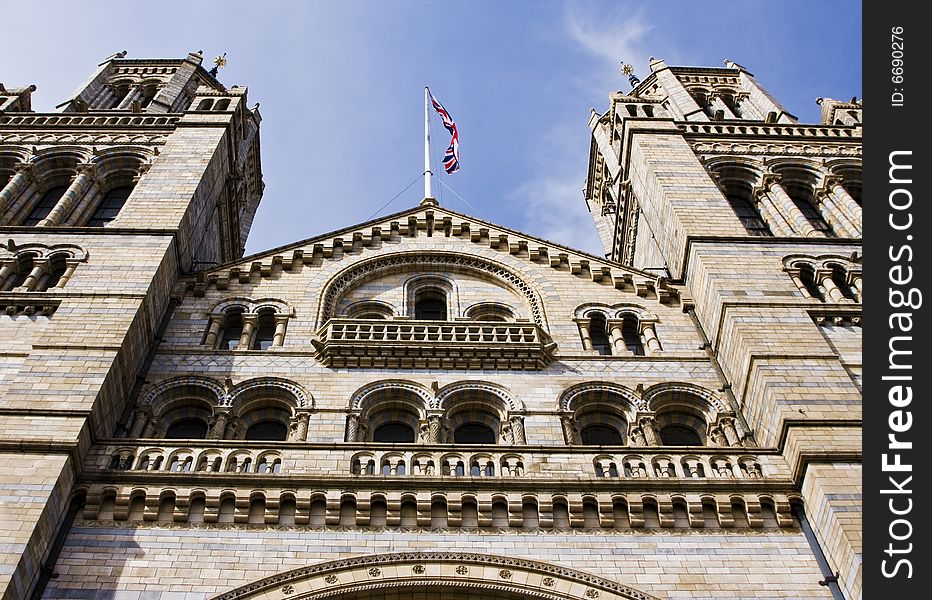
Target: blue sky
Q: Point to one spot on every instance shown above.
(341, 87)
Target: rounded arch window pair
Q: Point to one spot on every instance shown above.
(262, 336)
(49, 274)
(465, 433)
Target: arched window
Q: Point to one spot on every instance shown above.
(430, 305)
(232, 329)
(188, 428)
(205, 104)
(268, 430)
(807, 276)
(473, 433)
(747, 212)
(45, 205)
(631, 335)
(393, 433)
(840, 279)
(601, 435)
(24, 266)
(148, 94)
(110, 206)
(679, 435)
(265, 330)
(598, 332)
(57, 268)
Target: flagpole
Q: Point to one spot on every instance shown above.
(427, 172)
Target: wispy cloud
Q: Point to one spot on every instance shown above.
(552, 194)
(613, 35)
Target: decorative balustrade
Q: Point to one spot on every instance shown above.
(438, 464)
(379, 343)
(348, 461)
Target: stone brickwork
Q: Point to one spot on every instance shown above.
(427, 404)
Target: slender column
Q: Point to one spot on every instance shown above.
(102, 93)
(824, 277)
(140, 418)
(298, 431)
(213, 330)
(834, 216)
(14, 187)
(39, 268)
(796, 276)
(727, 424)
(249, 327)
(584, 333)
(506, 435)
(649, 426)
(717, 104)
(717, 437)
(152, 426)
(854, 278)
(79, 186)
(847, 204)
(433, 431)
(90, 198)
(235, 429)
(771, 215)
(636, 435)
(795, 217)
(281, 323)
(651, 343)
(352, 428)
(618, 341)
(218, 425)
(70, 265)
(569, 430)
(517, 430)
(131, 96)
(6, 269)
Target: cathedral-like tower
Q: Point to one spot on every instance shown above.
(149, 170)
(428, 404)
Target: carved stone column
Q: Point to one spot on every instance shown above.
(636, 435)
(847, 204)
(153, 424)
(506, 435)
(771, 214)
(298, 432)
(281, 322)
(70, 265)
(39, 268)
(213, 330)
(854, 279)
(727, 425)
(651, 343)
(250, 321)
(585, 333)
(617, 339)
(833, 293)
(131, 96)
(234, 429)
(792, 216)
(140, 418)
(569, 430)
(434, 426)
(218, 425)
(796, 275)
(14, 187)
(717, 437)
(835, 216)
(517, 430)
(649, 426)
(352, 428)
(6, 269)
(79, 186)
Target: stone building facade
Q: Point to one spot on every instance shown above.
(428, 405)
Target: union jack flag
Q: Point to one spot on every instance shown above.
(451, 158)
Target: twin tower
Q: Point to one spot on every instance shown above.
(428, 404)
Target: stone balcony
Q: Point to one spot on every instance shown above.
(484, 345)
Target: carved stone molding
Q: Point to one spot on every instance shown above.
(435, 569)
